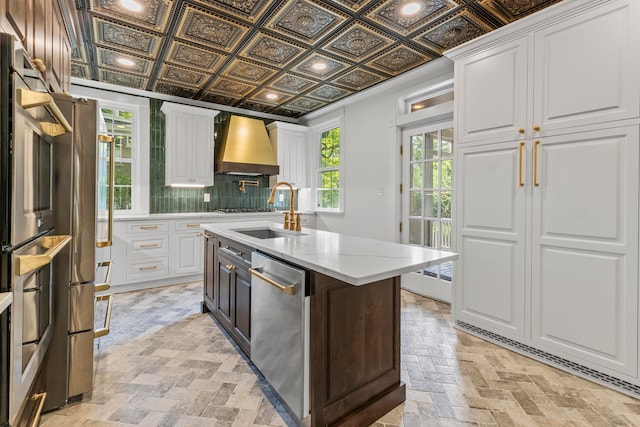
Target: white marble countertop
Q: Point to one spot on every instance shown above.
(355, 260)
(5, 300)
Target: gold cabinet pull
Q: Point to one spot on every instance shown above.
(193, 225)
(149, 245)
(521, 165)
(285, 289)
(148, 227)
(231, 251)
(536, 148)
(101, 332)
(230, 267)
(151, 267)
(41, 397)
(521, 131)
(536, 128)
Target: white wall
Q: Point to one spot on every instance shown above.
(371, 141)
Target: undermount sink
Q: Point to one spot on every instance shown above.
(267, 233)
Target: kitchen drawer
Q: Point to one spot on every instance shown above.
(235, 251)
(138, 227)
(147, 269)
(187, 225)
(148, 246)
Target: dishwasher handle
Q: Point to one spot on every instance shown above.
(286, 289)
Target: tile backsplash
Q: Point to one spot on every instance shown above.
(225, 193)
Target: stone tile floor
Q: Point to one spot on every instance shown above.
(166, 364)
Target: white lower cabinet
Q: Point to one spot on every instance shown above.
(147, 252)
(548, 236)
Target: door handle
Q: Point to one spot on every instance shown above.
(536, 148)
(286, 289)
(107, 317)
(100, 287)
(521, 166)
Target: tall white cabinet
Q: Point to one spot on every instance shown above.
(189, 145)
(290, 143)
(547, 119)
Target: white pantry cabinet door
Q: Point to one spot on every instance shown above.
(585, 248)
(290, 144)
(491, 93)
(587, 68)
(489, 288)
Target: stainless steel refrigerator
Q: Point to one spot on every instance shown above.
(83, 171)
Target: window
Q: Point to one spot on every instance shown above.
(329, 168)
(117, 123)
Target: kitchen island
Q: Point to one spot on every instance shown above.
(352, 321)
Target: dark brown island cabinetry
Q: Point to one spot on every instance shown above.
(354, 333)
(227, 287)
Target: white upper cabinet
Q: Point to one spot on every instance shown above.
(189, 145)
(290, 143)
(552, 74)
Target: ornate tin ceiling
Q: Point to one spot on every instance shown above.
(262, 55)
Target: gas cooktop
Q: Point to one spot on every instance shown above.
(244, 210)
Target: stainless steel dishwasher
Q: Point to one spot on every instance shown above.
(280, 329)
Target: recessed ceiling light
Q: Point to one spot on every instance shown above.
(319, 66)
(271, 96)
(125, 61)
(411, 8)
(131, 5)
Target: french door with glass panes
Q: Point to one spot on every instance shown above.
(426, 203)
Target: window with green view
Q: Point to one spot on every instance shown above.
(328, 178)
(118, 124)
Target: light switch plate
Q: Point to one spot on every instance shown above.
(207, 198)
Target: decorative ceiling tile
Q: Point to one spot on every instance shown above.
(263, 96)
(287, 112)
(358, 79)
(80, 70)
(271, 50)
(230, 87)
(305, 104)
(211, 30)
(154, 14)
(292, 83)
(358, 42)
(183, 76)
(387, 13)
(509, 11)
(306, 20)
(455, 30)
(248, 71)
(122, 79)
(170, 88)
(218, 98)
(354, 4)
(332, 66)
(398, 60)
(118, 36)
(109, 59)
(329, 93)
(195, 57)
(254, 106)
(246, 9)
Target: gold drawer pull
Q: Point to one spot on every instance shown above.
(231, 251)
(151, 267)
(285, 289)
(100, 332)
(193, 225)
(42, 397)
(149, 245)
(148, 227)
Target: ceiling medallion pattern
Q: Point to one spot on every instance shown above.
(388, 13)
(306, 20)
(292, 83)
(247, 9)
(454, 31)
(109, 33)
(272, 50)
(190, 56)
(398, 60)
(309, 53)
(358, 42)
(210, 30)
(358, 79)
(154, 15)
(183, 76)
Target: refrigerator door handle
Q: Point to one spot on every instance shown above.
(112, 162)
(107, 318)
(101, 287)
